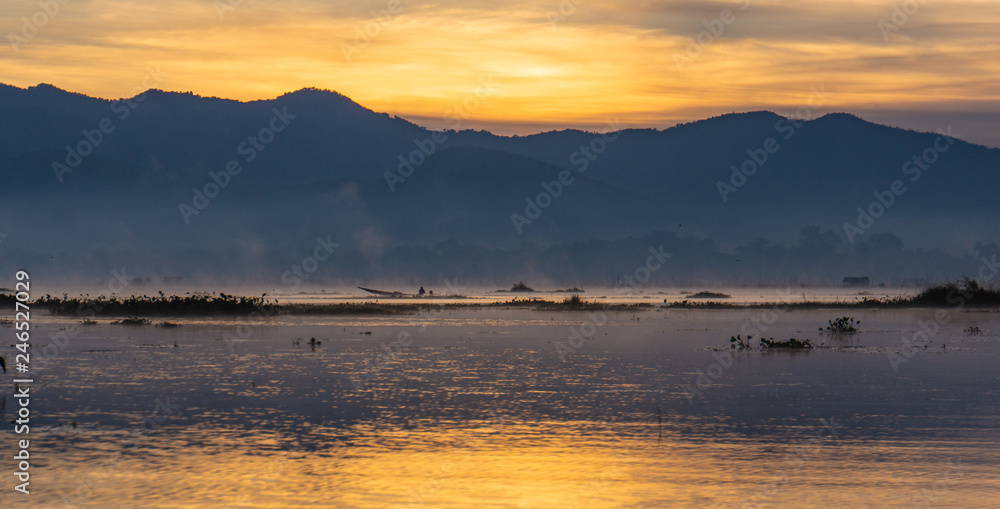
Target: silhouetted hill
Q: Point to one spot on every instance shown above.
(382, 186)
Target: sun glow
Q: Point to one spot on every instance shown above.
(569, 67)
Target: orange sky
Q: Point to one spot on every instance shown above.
(556, 63)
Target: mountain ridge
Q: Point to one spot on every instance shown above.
(314, 161)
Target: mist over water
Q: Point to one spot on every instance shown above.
(448, 293)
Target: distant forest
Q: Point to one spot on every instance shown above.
(819, 257)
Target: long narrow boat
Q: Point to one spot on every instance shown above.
(383, 293)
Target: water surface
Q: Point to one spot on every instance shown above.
(510, 408)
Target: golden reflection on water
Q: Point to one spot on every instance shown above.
(503, 464)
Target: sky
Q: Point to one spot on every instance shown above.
(524, 67)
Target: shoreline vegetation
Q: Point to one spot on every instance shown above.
(967, 293)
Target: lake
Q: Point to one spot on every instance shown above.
(506, 408)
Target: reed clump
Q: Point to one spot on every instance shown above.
(842, 325)
(174, 305)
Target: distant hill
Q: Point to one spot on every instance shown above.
(382, 186)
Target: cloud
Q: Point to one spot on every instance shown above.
(594, 59)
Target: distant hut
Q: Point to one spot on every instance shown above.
(857, 281)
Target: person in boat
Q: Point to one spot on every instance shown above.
(421, 292)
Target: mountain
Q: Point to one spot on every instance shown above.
(93, 183)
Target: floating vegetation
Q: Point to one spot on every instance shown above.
(575, 303)
(965, 292)
(791, 344)
(168, 325)
(973, 330)
(738, 343)
(521, 287)
(88, 322)
(709, 295)
(174, 305)
(6, 321)
(132, 321)
(842, 325)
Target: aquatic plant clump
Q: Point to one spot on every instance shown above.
(965, 292)
(709, 295)
(842, 325)
(738, 343)
(174, 305)
(521, 287)
(132, 321)
(791, 344)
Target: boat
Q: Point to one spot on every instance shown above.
(427, 295)
(383, 293)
